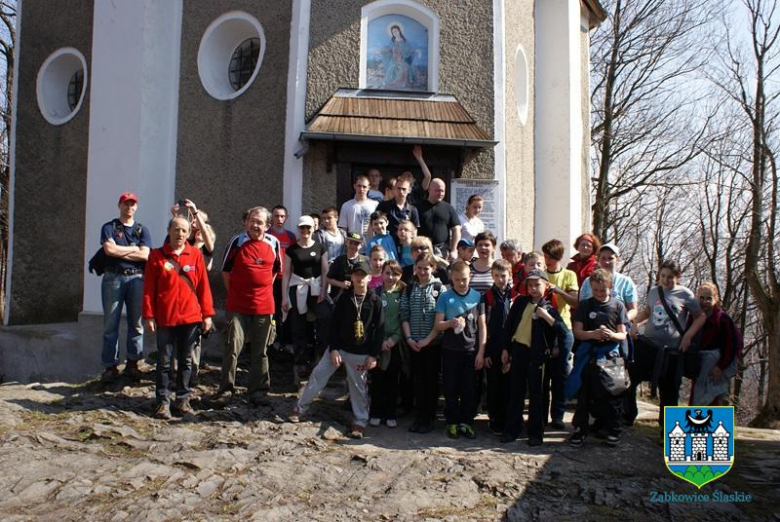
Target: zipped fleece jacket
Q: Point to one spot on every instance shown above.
(168, 299)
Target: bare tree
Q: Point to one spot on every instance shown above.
(642, 60)
(746, 76)
(7, 57)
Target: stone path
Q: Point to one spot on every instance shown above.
(90, 453)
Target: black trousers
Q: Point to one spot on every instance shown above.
(177, 341)
(640, 369)
(384, 387)
(497, 393)
(299, 325)
(459, 380)
(527, 372)
(669, 386)
(592, 400)
(426, 365)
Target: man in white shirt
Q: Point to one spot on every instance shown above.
(355, 215)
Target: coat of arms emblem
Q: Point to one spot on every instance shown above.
(699, 442)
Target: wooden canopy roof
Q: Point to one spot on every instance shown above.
(396, 117)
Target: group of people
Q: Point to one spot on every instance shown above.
(409, 295)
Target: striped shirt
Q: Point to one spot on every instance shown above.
(418, 307)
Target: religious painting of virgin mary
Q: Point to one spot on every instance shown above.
(397, 54)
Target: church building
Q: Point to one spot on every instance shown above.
(236, 103)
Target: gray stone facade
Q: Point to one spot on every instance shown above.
(51, 174)
(230, 153)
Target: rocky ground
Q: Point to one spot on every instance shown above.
(94, 452)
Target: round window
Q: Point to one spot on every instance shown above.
(231, 54)
(61, 85)
(243, 62)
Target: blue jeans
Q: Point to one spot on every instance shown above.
(118, 290)
(557, 371)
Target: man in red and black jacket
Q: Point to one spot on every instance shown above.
(251, 263)
(177, 305)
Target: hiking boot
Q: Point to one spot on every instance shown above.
(452, 431)
(184, 408)
(577, 438)
(109, 374)
(222, 398)
(374, 422)
(391, 423)
(356, 432)
(467, 431)
(163, 411)
(613, 440)
(132, 371)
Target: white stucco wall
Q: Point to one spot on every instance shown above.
(133, 118)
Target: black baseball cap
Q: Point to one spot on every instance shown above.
(361, 266)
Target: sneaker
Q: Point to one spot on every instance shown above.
(132, 371)
(452, 431)
(163, 411)
(534, 441)
(558, 424)
(109, 374)
(613, 440)
(185, 409)
(374, 421)
(356, 432)
(467, 431)
(296, 415)
(507, 438)
(391, 423)
(577, 438)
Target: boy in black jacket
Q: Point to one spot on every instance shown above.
(533, 332)
(355, 340)
(498, 300)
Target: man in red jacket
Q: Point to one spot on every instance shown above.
(177, 304)
(252, 262)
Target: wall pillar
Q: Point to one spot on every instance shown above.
(558, 139)
(133, 119)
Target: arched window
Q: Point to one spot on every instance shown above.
(399, 46)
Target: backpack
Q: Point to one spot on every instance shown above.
(97, 263)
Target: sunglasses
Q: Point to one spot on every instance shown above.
(423, 248)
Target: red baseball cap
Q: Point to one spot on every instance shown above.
(128, 196)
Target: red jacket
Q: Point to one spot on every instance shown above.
(583, 268)
(168, 299)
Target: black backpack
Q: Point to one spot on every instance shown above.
(97, 263)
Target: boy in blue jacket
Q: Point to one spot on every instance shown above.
(533, 333)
